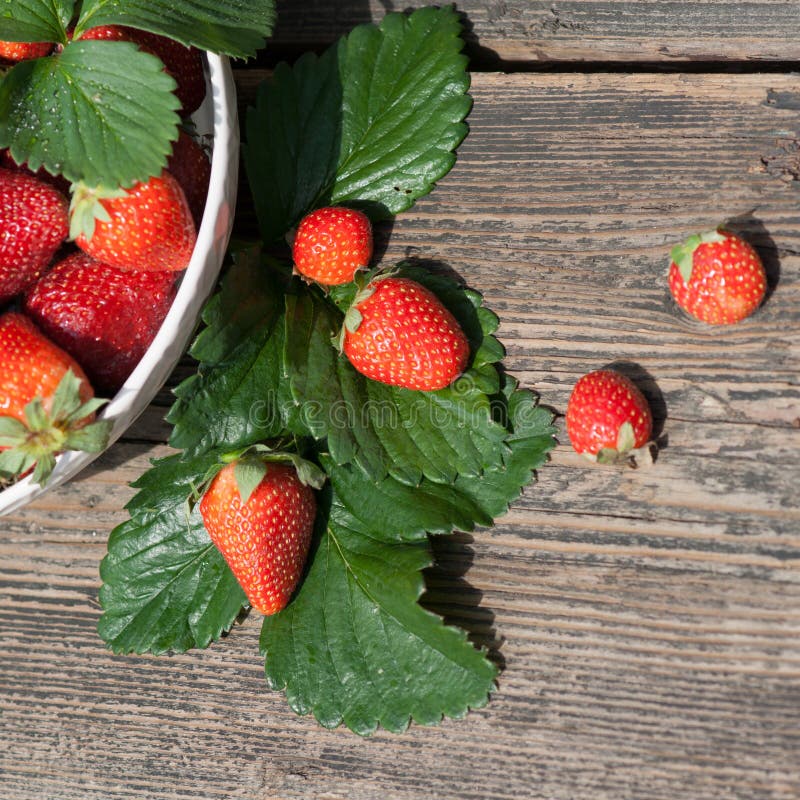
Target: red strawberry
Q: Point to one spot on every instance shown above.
(717, 277)
(56, 181)
(190, 166)
(23, 51)
(33, 225)
(45, 401)
(608, 418)
(183, 64)
(398, 332)
(102, 315)
(265, 534)
(331, 244)
(148, 226)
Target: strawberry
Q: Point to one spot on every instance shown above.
(717, 277)
(102, 315)
(33, 225)
(608, 418)
(183, 64)
(398, 332)
(46, 402)
(148, 226)
(331, 244)
(190, 166)
(24, 51)
(56, 181)
(263, 532)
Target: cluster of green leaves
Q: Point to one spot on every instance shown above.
(105, 112)
(354, 646)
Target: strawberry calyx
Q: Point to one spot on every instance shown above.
(251, 465)
(366, 283)
(683, 254)
(86, 208)
(35, 442)
(625, 452)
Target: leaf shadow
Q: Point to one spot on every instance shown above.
(451, 596)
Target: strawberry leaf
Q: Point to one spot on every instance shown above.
(372, 123)
(98, 112)
(165, 586)
(374, 655)
(37, 21)
(234, 27)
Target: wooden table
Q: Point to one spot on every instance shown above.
(648, 621)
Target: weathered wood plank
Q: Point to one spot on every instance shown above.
(647, 621)
(578, 30)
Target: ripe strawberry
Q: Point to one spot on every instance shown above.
(183, 64)
(189, 165)
(717, 277)
(23, 51)
(46, 402)
(264, 534)
(608, 418)
(102, 315)
(148, 226)
(398, 332)
(331, 244)
(56, 181)
(33, 225)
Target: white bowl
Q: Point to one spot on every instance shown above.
(217, 117)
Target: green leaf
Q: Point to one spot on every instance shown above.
(35, 20)
(354, 646)
(235, 27)
(98, 112)
(239, 395)
(372, 123)
(166, 587)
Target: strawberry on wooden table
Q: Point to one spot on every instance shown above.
(263, 531)
(102, 315)
(148, 226)
(608, 418)
(33, 225)
(46, 402)
(398, 332)
(717, 277)
(332, 244)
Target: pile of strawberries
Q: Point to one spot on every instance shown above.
(88, 274)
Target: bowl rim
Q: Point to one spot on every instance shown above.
(196, 285)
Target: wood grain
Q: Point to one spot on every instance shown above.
(578, 30)
(648, 621)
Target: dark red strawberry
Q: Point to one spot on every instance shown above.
(148, 226)
(398, 332)
(184, 64)
(608, 418)
(331, 244)
(47, 404)
(717, 277)
(24, 51)
(103, 316)
(190, 165)
(265, 535)
(33, 225)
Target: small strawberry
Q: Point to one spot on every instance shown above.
(608, 418)
(24, 51)
(33, 225)
(183, 64)
(398, 332)
(331, 244)
(190, 166)
(263, 530)
(149, 226)
(46, 402)
(102, 315)
(717, 277)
